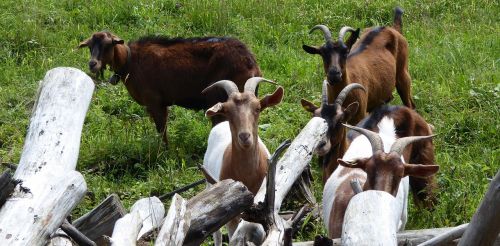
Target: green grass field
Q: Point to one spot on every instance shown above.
(454, 56)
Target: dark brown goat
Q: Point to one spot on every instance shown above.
(159, 72)
(378, 61)
(335, 143)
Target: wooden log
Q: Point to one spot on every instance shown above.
(407, 238)
(60, 238)
(485, 224)
(151, 211)
(371, 216)
(76, 235)
(101, 220)
(214, 207)
(446, 237)
(53, 138)
(50, 187)
(126, 229)
(176, 224)
(39, 207)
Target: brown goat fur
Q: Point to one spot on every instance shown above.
(409, 123)
(159, 72)
(378, 61)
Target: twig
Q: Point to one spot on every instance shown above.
(180, 190)
(76, 235)
(208, 176)
(448, 236)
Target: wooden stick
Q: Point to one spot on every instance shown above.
(126, 229)
(485, 224)
(208, 176)
(446, 237)
(180, 190)
(76, 235)
(176, 224)
(151, 211)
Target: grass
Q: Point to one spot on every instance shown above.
(454, 55)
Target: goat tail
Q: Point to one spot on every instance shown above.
(398, 21)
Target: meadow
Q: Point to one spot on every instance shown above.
(454, 56)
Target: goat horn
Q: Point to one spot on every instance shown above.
(344, 92)
(326, 32)
(227, 85)
(252, 83)
(342, 33)
(324, 93)
(399, 145)
(373, 137)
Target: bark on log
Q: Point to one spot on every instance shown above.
(152, 211)
(30, 216)
(176, 224)
(126, 229)
(214, 207)
(53, 138)
(101, 220)
(371, 216)
(485, 224)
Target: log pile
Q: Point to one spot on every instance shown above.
(36, 200)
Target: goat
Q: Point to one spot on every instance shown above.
(381, 166)
(234, 148)
(378, 61)
(159, 72)
(335, 143)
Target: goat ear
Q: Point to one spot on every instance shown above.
(311, 49)
(117, 40)
(359, 163)
(272, 99)
(350, 111)
(215, 110)
(308, 106)
(419, 170)
(84, 43)
(352, 39)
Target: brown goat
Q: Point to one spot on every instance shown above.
(159, 72)
(335, 143)
(378, 61)
(234, 149)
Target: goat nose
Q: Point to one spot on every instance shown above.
(92, 63)
(244, 136)
(335, 73)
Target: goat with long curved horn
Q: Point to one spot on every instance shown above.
(343, 94)
(373, 137)
(342, 32)
(228, 85)
(399, 145)
(326, 32)
(251, 83)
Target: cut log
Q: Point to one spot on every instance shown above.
(485, 224)
(53, 138)
(39, 207)
(101, 220)
(126, 229)
(371, 216)
(214, 207)
(152, 211)
(49, 188)
(60, 238)
(176, 224)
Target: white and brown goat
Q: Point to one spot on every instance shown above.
(376, 158)
(234, 149)
(378, 61)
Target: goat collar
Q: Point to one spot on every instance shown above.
(122, 72)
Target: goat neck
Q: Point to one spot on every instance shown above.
(120, 63)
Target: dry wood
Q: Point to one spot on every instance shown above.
(101, 220)
(76, 235)
(214, 207)
(180, 190)
(446, 237)
(60, 238)
(151, 211)
(485, 224)
(126, 229)
(176, 224)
